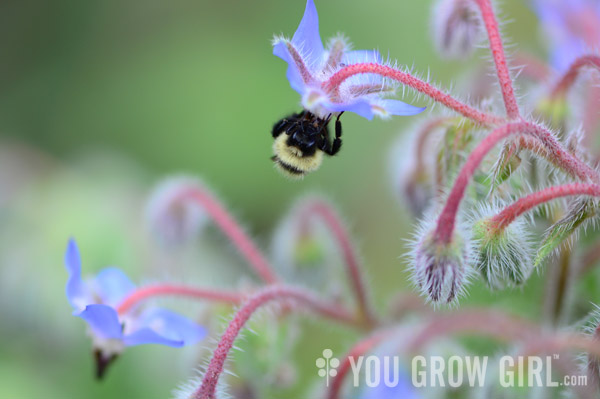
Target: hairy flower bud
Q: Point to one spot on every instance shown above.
(172, 219)
(304, 251)
(412, 165)
(504, 257)
(441, 270)
(411, 176)
(264, 356)
(456, 28)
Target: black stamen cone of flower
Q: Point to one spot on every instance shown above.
(441, 270)
(102, 362)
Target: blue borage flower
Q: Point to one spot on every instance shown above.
(572, 27)
(310, 65)
(95, 301)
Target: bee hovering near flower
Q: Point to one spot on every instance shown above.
(300, 150)
(301, 139)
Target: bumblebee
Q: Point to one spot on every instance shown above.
(301, 140)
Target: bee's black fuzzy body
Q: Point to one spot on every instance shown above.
(301, 140)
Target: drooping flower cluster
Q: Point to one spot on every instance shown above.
(456, 28)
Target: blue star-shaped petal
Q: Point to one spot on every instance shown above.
(310, 65)
(96, 300)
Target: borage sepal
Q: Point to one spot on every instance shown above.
(580, 214)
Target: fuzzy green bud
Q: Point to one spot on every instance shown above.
(503, 255)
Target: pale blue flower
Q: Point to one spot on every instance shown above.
(310, 65)
(95, 301)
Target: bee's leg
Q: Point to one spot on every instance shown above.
(323, 142)
(287, 123)
(293, 127)
(337, 142)
(279, 127)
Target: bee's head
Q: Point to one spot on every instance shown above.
(305, 140)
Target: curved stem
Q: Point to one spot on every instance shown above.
(491, 25)
(495, 324)
(569, 77)
(351, 259)
(522, 205)
(560, 157)
(232, 229)
(359, 349)
(419, 85)
(560, 342)
(505, 328)
(273, 293)
(176, 290)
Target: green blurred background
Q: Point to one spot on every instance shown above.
(100, 100)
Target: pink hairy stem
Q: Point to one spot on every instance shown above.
(560, 157)
(417, 84)
(207, 389)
